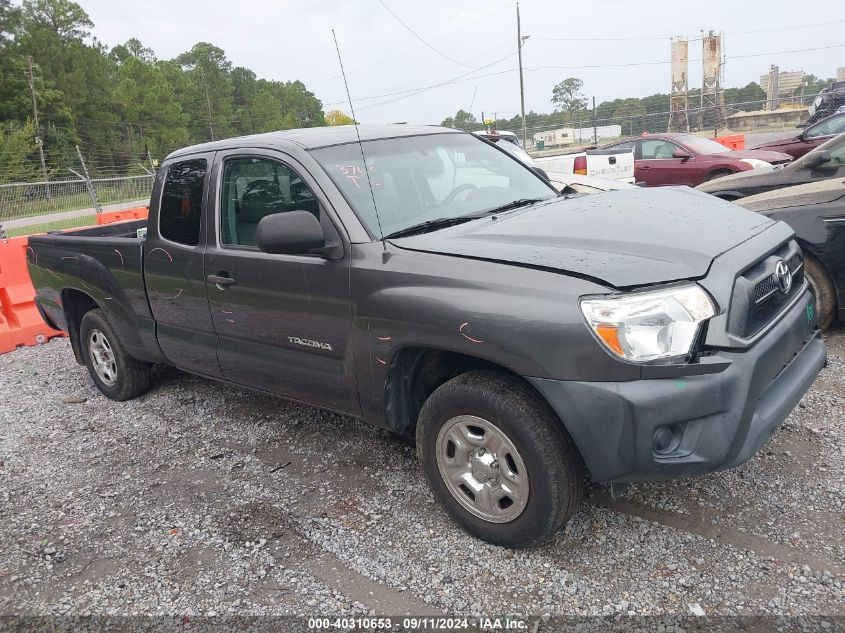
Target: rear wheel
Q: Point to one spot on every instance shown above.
(498, 459)
(824, 290)
(716, 174)
(115, 372)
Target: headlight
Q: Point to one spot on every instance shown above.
(755, 163)
(643, 326)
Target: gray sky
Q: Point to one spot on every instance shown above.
(291, 39)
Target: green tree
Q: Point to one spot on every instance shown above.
(463, 121)
(144, 98)
(210, 95)
(567, 97)
(336, 117)
(16, 144)
(629, 114)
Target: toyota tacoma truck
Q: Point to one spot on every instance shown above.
(426, 281)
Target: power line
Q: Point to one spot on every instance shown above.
(420, 38)
(666, 37)
(628, 64)
(393, 58)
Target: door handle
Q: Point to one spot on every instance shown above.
(222, 280)
(645, 167)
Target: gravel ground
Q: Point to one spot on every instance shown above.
(199, 498)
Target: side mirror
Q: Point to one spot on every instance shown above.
(679, 153)
(540, 172)
(290, 233)
(817, 158)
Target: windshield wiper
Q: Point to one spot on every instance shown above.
(521, 202)
(442, 223)
(429, 225)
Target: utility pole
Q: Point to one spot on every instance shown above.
(207, 101)
(38, 140)
(595, 128)
(519, 42)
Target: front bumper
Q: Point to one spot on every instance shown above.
(715, 421)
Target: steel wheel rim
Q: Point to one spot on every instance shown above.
(102, 357)
(482, 468)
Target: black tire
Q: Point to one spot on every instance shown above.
(823, 288)
(716, 174)
(131, 377)
(554, 467)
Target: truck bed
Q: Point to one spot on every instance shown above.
(104, 263)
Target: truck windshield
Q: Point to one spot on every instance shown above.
(431, 177)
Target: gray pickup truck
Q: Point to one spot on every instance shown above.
(429, 283)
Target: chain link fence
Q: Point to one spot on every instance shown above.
(36, 207)
(560, 132)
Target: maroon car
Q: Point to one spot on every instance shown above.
(809, 138)
(686, 159)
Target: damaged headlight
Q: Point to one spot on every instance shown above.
(644, 326)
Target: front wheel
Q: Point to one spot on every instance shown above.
(115, 372)
(498, 459)
(824, 290)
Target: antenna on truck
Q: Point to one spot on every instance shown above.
(385, 253)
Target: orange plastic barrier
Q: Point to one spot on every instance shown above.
(107, 217)
(20, 322)
(737, 141)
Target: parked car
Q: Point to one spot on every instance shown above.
(809, 138)
(828, 101)
(686, 159)
(606, 164)
(816, 212)
(826, 161)
(430, 284)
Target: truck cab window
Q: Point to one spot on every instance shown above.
(257, 187)
(181, 202)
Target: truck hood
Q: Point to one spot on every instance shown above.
(621, 238)
(820, 192)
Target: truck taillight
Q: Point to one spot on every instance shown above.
(580, 166)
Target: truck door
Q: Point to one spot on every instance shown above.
(173, 267)
(283, 321)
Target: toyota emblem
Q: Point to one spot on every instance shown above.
(783, 276)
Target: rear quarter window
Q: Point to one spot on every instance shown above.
(181, 202)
